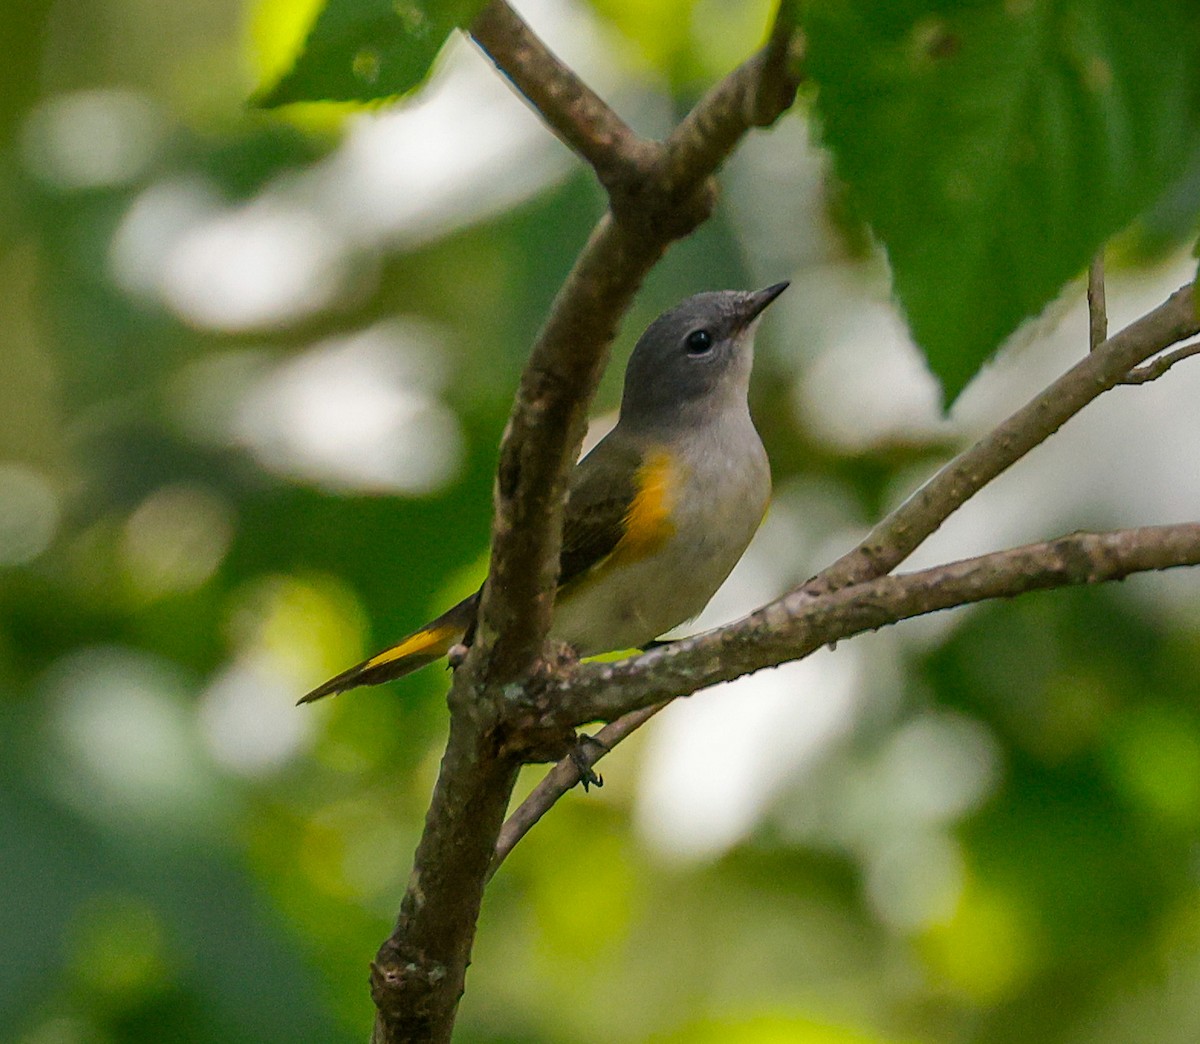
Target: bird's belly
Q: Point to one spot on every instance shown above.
(631, 602)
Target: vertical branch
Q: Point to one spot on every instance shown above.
(417, 975)
(1097, 309)
(543, 434)
(657, 194)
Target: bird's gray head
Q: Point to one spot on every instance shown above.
(697, 356)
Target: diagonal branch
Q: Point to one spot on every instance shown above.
(906, 528)
(578, 115)
(808, 624)
(798, 624)
(563, 776)
(753, 95)
(663, 199)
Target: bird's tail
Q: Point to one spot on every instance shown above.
(430, 643)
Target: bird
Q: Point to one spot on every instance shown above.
(659, 511)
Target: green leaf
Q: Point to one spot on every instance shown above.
(363, 50)
(994, 145)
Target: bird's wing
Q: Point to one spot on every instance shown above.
(619, 503)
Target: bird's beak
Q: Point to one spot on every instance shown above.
(754, 303)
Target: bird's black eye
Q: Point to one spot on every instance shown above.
(698, 342)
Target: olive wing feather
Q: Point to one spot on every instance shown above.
(603, 488)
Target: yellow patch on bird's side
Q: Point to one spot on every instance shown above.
(436, 639)
(648, 522)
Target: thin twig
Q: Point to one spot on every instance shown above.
(893, 539)
(1152, 371)
(1097, 309)
(783, 62)
(755, 94)
(563, 776)
(578, 115)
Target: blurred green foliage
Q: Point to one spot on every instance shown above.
(252, 389)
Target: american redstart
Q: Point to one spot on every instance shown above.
(660, 511)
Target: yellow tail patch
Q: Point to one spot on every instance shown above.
(429, 640)
(648, 522)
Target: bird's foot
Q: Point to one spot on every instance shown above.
(583, 761)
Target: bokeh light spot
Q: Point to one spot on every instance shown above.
(175, 539)
(286, 631)
(91, 139)
(129, 747)
(356, 413)
(29, 514)
(938, 767)
(914, 879)
(268, 263)
(249, 716)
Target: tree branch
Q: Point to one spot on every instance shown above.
(659, 192)
(579, 116)
(417, 975)
(755, 94)
(664, 198)
(1097, 308)
(419, 972)
(565, 775)
(906, 528)
(1152, 371)
(798, 624)
(541, 442)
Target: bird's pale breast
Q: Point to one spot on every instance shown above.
(708, 497)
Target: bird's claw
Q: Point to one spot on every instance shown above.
(582, 763)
